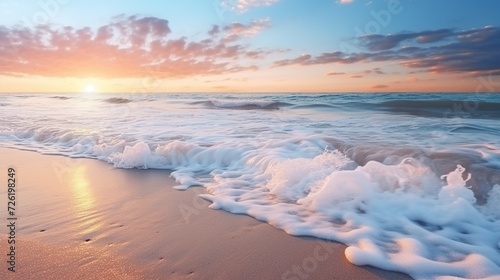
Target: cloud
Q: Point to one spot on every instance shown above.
(473, 52)
(235, 31)
(356, 76)
(345, 1)
(334, 73)
(214, 31)
(244, 5)
(128, 46)
(379, 86)
(377, 71)
(377, 42)
(336, 57)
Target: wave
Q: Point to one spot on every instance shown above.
(481, 162)
(60, 97)
(382, 211)
(442, 108)
(423, 108)
(470, 128)
(117, 100)
(245, 104)
(316, 106)
(396, 208)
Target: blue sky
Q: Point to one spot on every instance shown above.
(293, 42)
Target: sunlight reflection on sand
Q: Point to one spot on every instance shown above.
(84, 200)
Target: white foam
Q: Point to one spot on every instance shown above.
(288, 181)
(492, 207)
(137, 156)
(383, 213)
(456, 187)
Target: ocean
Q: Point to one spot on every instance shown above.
(410, 182)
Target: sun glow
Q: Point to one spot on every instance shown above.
(89, 88)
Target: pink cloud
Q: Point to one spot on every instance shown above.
(379, 86)
(126, 47)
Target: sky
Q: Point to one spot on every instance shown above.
(250, 46)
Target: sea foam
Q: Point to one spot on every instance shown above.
(401, 217)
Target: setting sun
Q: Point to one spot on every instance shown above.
(89, 88)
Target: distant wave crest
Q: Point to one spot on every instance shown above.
(61, 97)
(117, 100)
(245, 104)
(444, 108)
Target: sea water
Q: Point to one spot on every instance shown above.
(409, 182)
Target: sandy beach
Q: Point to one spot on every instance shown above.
(82, 219)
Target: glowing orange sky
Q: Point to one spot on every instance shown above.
(250, 47)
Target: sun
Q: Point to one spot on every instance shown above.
(89, 88)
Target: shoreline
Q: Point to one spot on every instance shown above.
(129, 223)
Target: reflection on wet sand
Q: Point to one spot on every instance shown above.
(84, 200)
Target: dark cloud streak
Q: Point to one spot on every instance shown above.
(475, 52)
